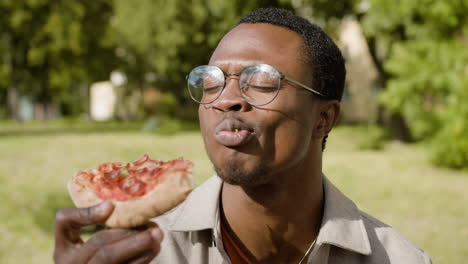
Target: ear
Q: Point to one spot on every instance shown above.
(329, 111)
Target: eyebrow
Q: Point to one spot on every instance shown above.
(234, 66)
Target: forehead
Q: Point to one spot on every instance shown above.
(249, 44)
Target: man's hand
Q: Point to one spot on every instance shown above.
(106, 246)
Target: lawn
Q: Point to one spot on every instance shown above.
(397, 185)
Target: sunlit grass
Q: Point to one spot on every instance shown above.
(397, 185)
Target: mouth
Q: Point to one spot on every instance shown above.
(233, 133)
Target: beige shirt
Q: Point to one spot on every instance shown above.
(192, 232)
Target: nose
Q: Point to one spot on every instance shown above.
(231, 98)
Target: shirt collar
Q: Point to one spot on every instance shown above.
(200, 209)
(342, 223)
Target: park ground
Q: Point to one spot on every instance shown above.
(398, 185)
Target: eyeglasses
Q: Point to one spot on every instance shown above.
(259, 84)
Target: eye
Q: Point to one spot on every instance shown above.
(257, 88)
(213, 89)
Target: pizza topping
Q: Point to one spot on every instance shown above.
(124, 172)
(119, 182)
(134, 187)
(140, 161)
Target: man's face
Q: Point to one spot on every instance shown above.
(251, 145)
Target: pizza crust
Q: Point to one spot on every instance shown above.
(172, 189)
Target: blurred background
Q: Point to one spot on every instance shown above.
(85, 82)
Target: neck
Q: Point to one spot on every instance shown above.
(277, 221)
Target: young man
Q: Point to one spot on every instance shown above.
(268, 99)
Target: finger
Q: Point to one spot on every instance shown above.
(129, 248)
(146, 226)
(103, 238)
(145, 258)
(68, 221)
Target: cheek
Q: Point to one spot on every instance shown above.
(291, 142)
(291, 134)
(202, 120)
(208, 122)
(284, 140)
(205, 126)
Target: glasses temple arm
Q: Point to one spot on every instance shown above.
(304, 86)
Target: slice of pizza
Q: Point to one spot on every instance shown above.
(140, 190)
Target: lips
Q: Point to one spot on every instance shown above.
(233, 133)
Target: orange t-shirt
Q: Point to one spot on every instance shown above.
(233, 251)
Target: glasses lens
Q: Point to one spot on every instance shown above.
(260, 84)
(205, 83)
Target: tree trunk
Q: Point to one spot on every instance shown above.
(393, 122)
(398, 128)
(13, 102)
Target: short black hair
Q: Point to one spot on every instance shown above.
(324, 57)
(320, 52)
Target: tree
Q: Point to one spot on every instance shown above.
(169, 38)
(49, 48)
(427, 63)
(420, 49)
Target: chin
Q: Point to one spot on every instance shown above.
(237, 175)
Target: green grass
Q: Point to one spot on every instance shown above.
(397, 185)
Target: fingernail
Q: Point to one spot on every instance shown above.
(157, 234)
(152, 224)
(104, 206)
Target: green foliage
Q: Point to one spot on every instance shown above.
(427, 63)
(325, 9)
(431, 84)
(181, 36)
(49, 48)
(166, 105)
(169, 126)
(52, 50)
(450, 145)
(375, 138)
(420, 50)
(416, 19)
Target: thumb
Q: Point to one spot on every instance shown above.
(96, 214)
(69, 221)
